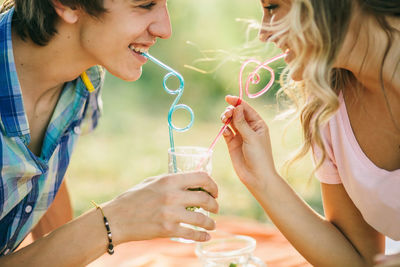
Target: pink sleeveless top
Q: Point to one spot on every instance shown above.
(374, 191)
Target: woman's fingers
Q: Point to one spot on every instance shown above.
(249, 112)
(228, 135)
(244, 121)
(233, 100)
(227, 114)
(233, 140)
(241, 124)
(234, 116)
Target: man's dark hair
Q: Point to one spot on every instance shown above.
(36, 19)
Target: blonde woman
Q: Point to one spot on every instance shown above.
(344, 75)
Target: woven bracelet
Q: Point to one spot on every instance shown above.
(110, 248)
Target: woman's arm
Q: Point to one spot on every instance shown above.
(343, 238)
(344, 215)
(151, 209)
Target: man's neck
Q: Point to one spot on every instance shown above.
(42, 69)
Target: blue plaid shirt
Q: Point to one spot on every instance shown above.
(28, 184)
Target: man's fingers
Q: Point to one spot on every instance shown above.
(199, 219)
(196, 179)
(201, 199)
(191, 234)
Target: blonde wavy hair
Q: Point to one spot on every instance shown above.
(316, 31)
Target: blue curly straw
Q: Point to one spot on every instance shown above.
(174, 105)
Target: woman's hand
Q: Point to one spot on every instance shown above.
(387, 260)
(248, 143)
(156, 207)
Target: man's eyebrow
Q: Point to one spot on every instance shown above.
(138, 1)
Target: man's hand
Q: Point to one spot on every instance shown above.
(156, 207)
(388, 260)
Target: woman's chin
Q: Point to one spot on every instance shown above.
(297, 76)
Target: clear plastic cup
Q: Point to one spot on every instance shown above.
(188, 159)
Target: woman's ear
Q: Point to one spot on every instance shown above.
(68, 14)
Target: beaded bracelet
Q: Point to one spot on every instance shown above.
(110, 248)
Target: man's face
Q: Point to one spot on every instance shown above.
(128, 25)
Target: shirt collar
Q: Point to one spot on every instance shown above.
(93, 78)
(12, 113)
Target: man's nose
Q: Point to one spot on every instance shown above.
(162, 26)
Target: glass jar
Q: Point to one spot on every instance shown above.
(235, 251)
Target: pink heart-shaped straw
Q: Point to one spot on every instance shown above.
(255, 79)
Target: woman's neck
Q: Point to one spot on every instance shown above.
(364, 51)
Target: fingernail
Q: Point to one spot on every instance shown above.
(379, 257)
(207, 237)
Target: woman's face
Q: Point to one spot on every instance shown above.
(129, 27)
(275, 10)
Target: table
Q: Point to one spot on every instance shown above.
(272, 248)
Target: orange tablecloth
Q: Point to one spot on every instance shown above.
(272, 248)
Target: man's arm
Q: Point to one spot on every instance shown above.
(58, 214)
(152, 209)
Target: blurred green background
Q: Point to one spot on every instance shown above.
(132, 139)
(210, 40)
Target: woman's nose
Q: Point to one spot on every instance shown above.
(263, 34)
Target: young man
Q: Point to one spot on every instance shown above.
(50, 82)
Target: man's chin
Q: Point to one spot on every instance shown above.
(128, 76)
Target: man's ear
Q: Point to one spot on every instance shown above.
(66, 13)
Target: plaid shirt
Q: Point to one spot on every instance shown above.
(28, 183)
